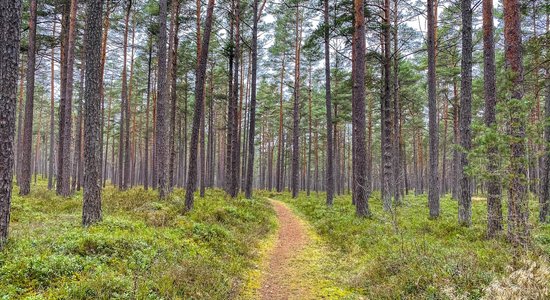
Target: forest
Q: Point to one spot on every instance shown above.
(282, 149)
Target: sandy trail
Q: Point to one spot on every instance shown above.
(279, 280)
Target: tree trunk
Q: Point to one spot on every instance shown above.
(465, 197)
(52, 117)
(146, 151)
(433, 191)
(235, 148)
(91, 209)
(10, 22)
(387, 176)
(328, 106)
(64, 143)
(25, 183)
(173, 67)
(310, 133)
(108, 130)
(544, 198)
(162, 108)
(296, 110)
(396, 111)
(494, 205)
(518, 210)
(199, 92)
(358, 113)
(252, 129)
(279, 185)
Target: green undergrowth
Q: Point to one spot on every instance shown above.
(409, 256)
(143, 249)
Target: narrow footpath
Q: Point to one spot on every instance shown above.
(280, 280)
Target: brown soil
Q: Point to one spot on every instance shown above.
(292, 238)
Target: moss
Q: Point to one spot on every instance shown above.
(409, 256)
(144, 248)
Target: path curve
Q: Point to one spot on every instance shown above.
(292, 238)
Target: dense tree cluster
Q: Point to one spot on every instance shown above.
(332, 96)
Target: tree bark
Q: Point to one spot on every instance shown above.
(328, 105)
(199, 92)
(494, 205)
(146, 151)
(465, 197)
(91, 209)
(252, 129)
(544, 197)
(388, 181)
(358, 113)
(162, 108)
(433, 191)
(10, 20)
(52, 117)
(173, 65)
(518, 210)
(296, 110)
(25, 183)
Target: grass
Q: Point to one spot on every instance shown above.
(143, 249)
(413, 257)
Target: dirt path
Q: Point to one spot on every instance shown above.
(280, 280)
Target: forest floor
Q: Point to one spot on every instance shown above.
(270, 247)
(143, 249)
(406, 255)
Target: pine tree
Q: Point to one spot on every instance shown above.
(91, 208)
(10, 22)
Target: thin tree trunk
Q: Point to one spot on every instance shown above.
(108, 131)
(544, 198)
(25, 183)
(465, 197)
(396, 110)
(433, 191)
(280, 139)
(162, 107)
(358, 113)
(146, 158)
(296, 110)
(494, 202)
(199, 92)
(252, 130)
(328, 105)
(52, 113)
(173, 65)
